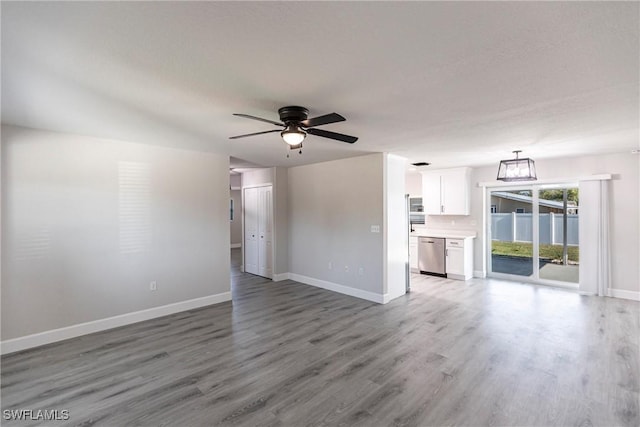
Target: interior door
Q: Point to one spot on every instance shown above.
(265, 231)
(251, 230)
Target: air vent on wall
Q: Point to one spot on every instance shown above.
(421, 164)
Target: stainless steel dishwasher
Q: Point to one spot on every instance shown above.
(431, 256)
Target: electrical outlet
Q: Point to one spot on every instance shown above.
(330, 266)
(360, 271)
(153, 286)
(346, 268)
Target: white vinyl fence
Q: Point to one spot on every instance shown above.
(517, 227)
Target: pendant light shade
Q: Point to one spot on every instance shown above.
(293, 135)
(517, 169)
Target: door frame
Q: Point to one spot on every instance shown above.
(535, 230)
(273, 223)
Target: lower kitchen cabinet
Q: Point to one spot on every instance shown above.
(413, 253)
(459, 259)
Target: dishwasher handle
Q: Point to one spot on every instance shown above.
(426, 240)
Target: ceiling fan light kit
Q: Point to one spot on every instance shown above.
(297, 125)
(517, 169)
(293, 135)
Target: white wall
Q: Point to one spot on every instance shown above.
(236, 224)
(88, 223)
(396, 238)
(281, 218)
(624, 196)
(264, 176)
(235, 181)
(414, 184)
(332, 207)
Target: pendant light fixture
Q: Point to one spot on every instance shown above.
(517, 169)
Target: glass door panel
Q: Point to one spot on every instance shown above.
(559, 254)
(512, 232)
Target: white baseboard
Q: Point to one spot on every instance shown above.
(48, 337)
(280, 277)
(457, 277)
(236, 245)
(479, 274)
(346, 290)
(620, 293)
(390, 297)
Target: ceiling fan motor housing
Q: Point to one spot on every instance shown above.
(293, 114)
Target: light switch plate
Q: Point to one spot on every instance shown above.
(375, 228)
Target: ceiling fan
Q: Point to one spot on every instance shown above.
(296, 126)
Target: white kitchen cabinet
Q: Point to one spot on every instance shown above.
(459, 259)
(431, 189)
(413, 253)
(446, 191)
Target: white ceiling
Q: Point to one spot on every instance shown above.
(451, 83)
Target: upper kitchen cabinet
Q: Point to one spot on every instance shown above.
(446, 191)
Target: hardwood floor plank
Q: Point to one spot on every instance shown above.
(481, 352)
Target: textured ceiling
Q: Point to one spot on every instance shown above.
(451, 83)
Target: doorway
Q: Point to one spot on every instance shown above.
(533, 233)
(258, 230)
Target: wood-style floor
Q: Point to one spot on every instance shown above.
(484, 352)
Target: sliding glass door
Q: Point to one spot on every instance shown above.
(533, 232)
(511, 232)
(558, 234)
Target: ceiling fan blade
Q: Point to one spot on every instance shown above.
(332, 135)
(246, 116)
(254, 134)
(322, 120)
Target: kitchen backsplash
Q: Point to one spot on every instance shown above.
(449, 222)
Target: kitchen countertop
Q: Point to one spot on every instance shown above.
(446, 234)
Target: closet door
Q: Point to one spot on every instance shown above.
(250, 208)
(265, 231)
